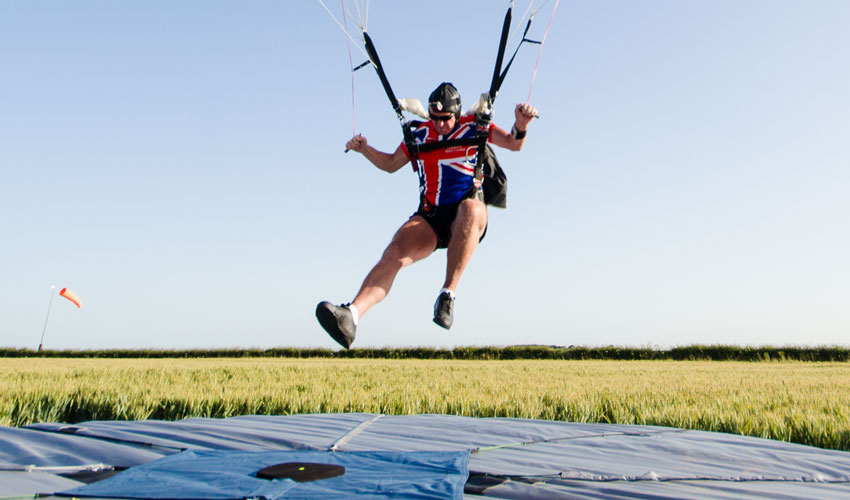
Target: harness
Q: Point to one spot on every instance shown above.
(484, 115)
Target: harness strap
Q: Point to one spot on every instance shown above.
(482, 133)
(445, 144)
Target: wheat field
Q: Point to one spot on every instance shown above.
(806, 403)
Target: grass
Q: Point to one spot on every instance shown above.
(799, 402)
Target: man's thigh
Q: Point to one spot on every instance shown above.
(414, 240)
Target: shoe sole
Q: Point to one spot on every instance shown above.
(328, 321)
(442, 324)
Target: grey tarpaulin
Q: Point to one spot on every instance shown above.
(511, 458)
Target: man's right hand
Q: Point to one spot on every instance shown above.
(357, 143)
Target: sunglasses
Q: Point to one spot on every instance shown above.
(441, 118)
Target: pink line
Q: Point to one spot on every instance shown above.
(540, 52)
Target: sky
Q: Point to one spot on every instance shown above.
(180, 167)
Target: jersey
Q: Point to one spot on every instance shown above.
(445, 175)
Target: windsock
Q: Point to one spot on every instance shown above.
(68, 294)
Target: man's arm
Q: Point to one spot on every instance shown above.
(384, 161)
(515, 139)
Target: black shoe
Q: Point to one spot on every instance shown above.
(338, 321)
(443, 310)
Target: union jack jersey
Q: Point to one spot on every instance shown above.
(445, 175)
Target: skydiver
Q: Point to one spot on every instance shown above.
(451, 212)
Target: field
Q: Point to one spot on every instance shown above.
(805, 403)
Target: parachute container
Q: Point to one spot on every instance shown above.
(68, 294)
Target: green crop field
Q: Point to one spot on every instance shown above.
(801, 402)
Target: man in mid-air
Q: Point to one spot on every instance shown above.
(451, 213)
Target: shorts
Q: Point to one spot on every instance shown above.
(441, 217)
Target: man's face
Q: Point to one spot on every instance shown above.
(443, 122)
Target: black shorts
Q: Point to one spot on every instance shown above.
(440, 218)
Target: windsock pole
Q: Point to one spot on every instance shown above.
(49, 304)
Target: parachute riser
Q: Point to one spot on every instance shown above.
(379, 68)
(382, 76)
(484, 117)
(513, 56)
(496, 81)
(500, 73)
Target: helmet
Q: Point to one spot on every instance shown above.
(445, 98)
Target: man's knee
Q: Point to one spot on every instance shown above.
(473, 212)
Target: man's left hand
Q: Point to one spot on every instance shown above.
(524, 114)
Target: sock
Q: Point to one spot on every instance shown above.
(355, 313)
(450, 292)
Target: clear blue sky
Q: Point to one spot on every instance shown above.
(180, 167)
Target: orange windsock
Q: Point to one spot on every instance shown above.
(68, 294)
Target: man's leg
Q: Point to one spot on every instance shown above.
(467, 229)
(414, 241)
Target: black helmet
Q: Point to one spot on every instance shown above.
(445, 98)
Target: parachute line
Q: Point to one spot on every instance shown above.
(540, 51)
(343, 28)
(521, 19)
(351, 64)
(361, 18)
(539, 6)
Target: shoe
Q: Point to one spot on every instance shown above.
(338, 321)
(443, 310)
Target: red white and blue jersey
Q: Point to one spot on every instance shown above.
(445, 175)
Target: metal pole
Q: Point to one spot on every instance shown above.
(49, 304)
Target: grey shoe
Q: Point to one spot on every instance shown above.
(443, 310)
(338, 321)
